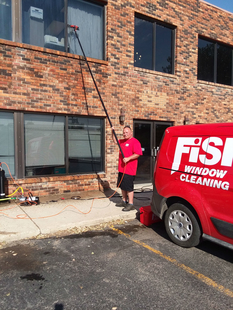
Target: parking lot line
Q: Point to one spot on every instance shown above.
(195, 273)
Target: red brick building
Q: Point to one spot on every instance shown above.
(160, 63)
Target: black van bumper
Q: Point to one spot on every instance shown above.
(158, 203)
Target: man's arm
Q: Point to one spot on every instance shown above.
(132, 157)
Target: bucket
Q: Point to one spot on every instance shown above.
(147, 217)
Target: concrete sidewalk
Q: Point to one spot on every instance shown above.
(66, 213)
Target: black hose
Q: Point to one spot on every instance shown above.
(105, 110)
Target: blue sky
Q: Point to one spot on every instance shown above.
(224, 4)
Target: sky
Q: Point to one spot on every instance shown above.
(223, 4)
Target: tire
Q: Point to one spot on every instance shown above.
(182, 226)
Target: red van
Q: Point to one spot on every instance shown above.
(193, 184)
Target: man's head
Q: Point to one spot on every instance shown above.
(127, 132)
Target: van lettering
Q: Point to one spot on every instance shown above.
(183, 147)
(206, 171)
(227, 156)
(225, 185)
(205, 181)
(220, 173)
(198, 170)
(213, 155)
(212, 172)
(193, 179)
(188, 168)
(215, 152)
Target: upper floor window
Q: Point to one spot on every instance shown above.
(45, 23)
(214, 62)
(5, 20)
(90, 17)
(153, 45)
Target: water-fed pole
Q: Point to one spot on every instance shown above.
(105, 110)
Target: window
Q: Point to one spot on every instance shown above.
(44, 144)
(153, 45)
(5, 20)
(91, 28)
(51, 139)
(205, 60)
(45, 23)
(7, 150)
(214, 62)
(85, 144)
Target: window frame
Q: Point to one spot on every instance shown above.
(16, 11)
(13, 143)
(215, 73)
(19, 145)
(156, 22)
(87, 131)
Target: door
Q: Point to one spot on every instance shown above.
(149, 133)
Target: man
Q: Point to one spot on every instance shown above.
(127, 167)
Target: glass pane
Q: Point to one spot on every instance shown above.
(205, 60)
(43, 23)
(142, 132)
(7, 150)
(224, 64)
(89, 17)
(143, 44)
(163, 53)
(5, 20)
(44, 144)
(85, 139)
(159, 132)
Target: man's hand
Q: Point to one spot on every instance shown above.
(132, 157)
(126, 159)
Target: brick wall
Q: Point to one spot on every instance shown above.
(42, 80)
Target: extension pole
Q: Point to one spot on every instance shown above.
(105, 110)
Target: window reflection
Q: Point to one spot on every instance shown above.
(43, 23)
(7, 151)
(45, 151)
(143, 44)
(163, 49)
(89, 17)
(85, 138)
(205, 60)
(224, 64)
(5, 20)
(153, 46)
(214, 62)
(44, 144)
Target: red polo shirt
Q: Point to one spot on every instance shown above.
(129, 147)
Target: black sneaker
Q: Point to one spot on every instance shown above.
(128, 207)
(121, 204)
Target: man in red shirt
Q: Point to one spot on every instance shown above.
(127, 167)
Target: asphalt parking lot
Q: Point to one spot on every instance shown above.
(127, 266)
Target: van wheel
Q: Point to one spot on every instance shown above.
(182, 226)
